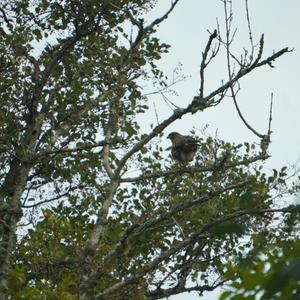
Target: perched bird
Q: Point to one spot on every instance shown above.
(183, 147)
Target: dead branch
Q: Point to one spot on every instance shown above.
(204, 63)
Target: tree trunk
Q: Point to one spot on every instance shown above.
(10, 213)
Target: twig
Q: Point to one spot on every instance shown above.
(270, 115)
(203, 62)
(233, 93)
(249, 30)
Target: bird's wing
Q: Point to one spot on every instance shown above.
(190, 143)
(185, 142)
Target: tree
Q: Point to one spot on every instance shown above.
(271, 268)
(70, 138)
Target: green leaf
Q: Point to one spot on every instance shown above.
(225, 295)
(228, 228)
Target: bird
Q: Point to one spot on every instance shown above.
(183, 147)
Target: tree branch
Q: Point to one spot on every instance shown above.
(112, 122)
(70, 189)
(196, 105)
(83, 147)
(198, 235)
(165, 16)
(161, 216)
(165, 293)
(203, 62)
(150, 266)
(92, 243)
(193, 169)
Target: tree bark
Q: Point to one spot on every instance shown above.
(10, 213)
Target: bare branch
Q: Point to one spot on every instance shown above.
(203, 62)
(230, 73)
(272, 58)
(270, 115)
(196, 105)
(165, 16)
(249, 30)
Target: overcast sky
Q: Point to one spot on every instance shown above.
(186, 31)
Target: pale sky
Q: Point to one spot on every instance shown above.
(186, 31)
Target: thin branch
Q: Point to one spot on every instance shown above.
(184, 243)
(162, 216)
(78, 148)
(272, 58)
(270, 115)
(228, 43)
(165, 16)
(156, 114)
(165, 293)
(197, 104)
(54, 198)
(266, 139)
(203, 62)
(165, 89)
(249, 30)
(6, 19)
(150, 266)
(191, 170)
(143, 30)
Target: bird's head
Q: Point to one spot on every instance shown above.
(173, 135)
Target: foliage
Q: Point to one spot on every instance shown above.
(271, 269)
(71, 85)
